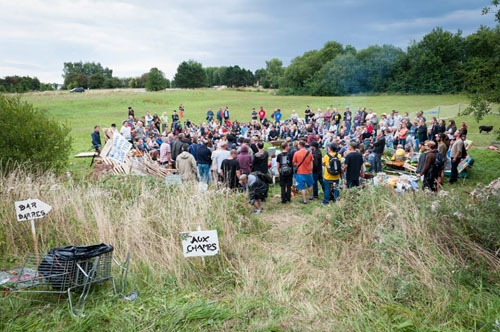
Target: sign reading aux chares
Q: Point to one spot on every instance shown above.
(200, 243)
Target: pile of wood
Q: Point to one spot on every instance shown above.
(132, 164)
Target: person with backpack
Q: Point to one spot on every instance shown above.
(285, 170)
(331, 175)
(432, 168)
(258, 187)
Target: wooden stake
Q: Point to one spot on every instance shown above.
(35, 241)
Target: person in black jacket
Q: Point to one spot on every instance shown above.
(378, 150)
(204, 160)
(421, 132)
(96, 139)
(317, 168)
(260, 160)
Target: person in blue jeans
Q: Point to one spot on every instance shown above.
(204, 161)
(317, 168)
(330, 180)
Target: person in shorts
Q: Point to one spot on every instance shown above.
(303, 161)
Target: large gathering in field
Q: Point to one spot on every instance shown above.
(225, 151)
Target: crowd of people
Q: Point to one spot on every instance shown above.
(231, 153)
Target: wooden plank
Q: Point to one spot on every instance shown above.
(86, 154)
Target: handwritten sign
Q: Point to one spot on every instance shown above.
(31, 209)
(120, 148)
(200, 243)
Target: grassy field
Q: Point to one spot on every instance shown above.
(374, 261)
(83, 111)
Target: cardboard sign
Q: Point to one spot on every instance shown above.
(120, 148)
(31, 209)
(200, 243)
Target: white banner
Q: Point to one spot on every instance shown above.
(120, 148)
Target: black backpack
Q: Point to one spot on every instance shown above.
(334, 165)
(439, 162)
(285, 168)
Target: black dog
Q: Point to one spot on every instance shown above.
(485, 128)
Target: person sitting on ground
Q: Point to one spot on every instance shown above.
(257, 190)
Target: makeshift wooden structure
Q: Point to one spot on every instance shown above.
(132, 164)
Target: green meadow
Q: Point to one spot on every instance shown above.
(83, 111)
(374, 261)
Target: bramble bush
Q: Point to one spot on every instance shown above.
(31, 139)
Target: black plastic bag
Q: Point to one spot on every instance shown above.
(60, 268)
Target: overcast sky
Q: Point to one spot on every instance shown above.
(132, 36)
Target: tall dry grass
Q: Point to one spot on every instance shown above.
(311, 269)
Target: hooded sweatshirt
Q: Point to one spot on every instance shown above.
(245, 160)
(186, 167)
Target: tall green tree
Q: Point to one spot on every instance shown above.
(190, 74)
(303, 68)
(377, 64)
(275, 71)
(156, 80)
(435, 63)
(78, 74)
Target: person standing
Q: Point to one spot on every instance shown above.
(307, 114)
(186, 165)
(421, 132)
(218, 156)
(330, 180)
(262, 114)
(230, 170)
(428, 171)
(254, 116)
(277, 117)
(347, 120)
(317, 170)
(285, 169)
(126, 132)
(165, 152)
(353, 165)
(96, 139)
(245, 160)
(181, 111)
(204, 161)
(210, 115)
(260, 161)
(456, 156)
(303, 162)
(378, 150)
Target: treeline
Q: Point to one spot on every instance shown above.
(441, 62)
(13, 84)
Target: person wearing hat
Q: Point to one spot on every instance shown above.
(428, 171)
(353, 165)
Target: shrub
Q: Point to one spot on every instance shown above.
(31, 139)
